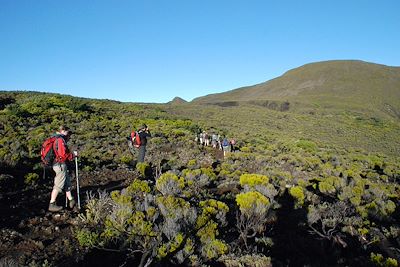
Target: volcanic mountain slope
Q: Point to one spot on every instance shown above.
(177, 101)
(348, 84)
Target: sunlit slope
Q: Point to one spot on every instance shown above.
(341, 83)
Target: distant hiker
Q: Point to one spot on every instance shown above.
(219, 142)
(206, 139)
(225, 146)
(198, 136)
(202, 138)
(233, 143)
(214, 140)
(62, 180)
(143, 133)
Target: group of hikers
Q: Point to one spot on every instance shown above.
(216, 141)
(61, 157)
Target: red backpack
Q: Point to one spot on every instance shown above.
(47, 152)
(135, 137)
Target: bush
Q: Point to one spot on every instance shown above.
(307, 145)
(169, 184)
(379, 260)
(298, 194)
(31, 179)
(253, 208)
(252, 180)
(86, 238)
(126, 159)
(143, 168)
(213, 214)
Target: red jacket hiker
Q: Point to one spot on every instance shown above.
(62, 180)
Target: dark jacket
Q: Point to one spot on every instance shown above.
(143, 137)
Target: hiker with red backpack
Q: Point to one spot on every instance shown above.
(139, 141)
(55, 153)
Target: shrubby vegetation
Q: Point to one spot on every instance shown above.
(189, 205)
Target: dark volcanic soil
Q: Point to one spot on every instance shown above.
(32, 235)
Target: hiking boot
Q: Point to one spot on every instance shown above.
(71, 203)
(54, 208)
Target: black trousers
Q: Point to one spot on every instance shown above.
(142, 152)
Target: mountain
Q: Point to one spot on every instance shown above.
(338, 83)
(177, 101)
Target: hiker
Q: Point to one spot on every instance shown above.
(202, 138)
(144, 133)
(219, 142)
(233, 143)
(198, 137)
(225, 146)
(214, 139)
(62, 180)
(206, 139)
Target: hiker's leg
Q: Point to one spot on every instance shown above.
(59, 180)
(67, 189)
(142, 151)
(53, 196)
(67, 185)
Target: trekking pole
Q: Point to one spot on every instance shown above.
(77, 179)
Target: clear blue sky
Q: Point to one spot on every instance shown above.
(154, 50)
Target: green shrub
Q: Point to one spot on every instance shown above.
(214, 249)
(97, 208)
(211, 209)
(252, 202)
(307, 145)
(126, 159)
(138, 187)
(379, 260)
(253, 208)
(297, 193)
(325, 218)
(252, 180)
(86, 238)
(169, 184)
(143, 168)
(245, 149)
(192, 164)
(31, 178)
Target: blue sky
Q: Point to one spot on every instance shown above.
(152, 51)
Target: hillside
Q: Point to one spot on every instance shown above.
(340, 84)
(297, 189)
